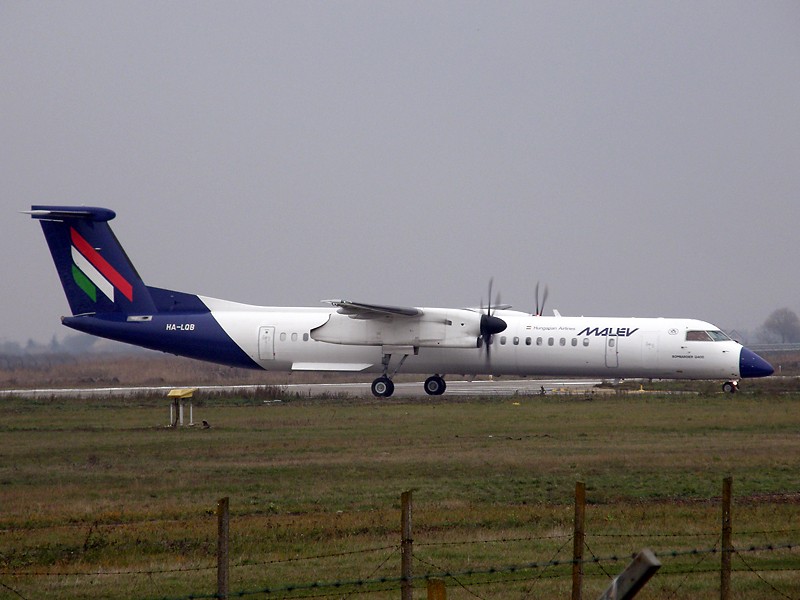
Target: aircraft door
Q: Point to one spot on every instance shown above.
(266, 343)
(612, 351)
(650, 350)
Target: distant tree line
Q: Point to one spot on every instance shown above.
(781, 327)
(71, 344)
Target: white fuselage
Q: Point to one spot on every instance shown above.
(283, 339)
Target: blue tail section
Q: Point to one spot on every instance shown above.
(109, 299)
(95, 272)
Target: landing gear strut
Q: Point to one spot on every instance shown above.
(383, 386)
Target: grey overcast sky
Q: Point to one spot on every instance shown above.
(641, 158)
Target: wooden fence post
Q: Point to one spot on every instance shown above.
(727, 548)
(406, 547)
(628, 583)
(437, 589)
(578, 540)
(223, 519)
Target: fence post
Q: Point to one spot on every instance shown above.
(406, 547)
(578, 540)
(727, 548)
(628, 583)
(223, 519)
(437, 589)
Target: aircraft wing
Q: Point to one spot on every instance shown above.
(362, 324)
(360, 310)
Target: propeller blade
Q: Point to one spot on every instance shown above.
(490, 324)
(544, 299)
(540, 309)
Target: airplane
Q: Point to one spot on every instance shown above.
(108, 299)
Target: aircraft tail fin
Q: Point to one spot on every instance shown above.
(95, 271)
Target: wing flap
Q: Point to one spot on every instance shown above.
(317, 366)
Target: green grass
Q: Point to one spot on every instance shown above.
(99, 486)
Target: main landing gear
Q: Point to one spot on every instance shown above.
(435, 385)
(383, 387)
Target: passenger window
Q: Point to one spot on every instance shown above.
(550, 341)
(612, 342)
(528, 341)
(562, 342)
(305, 337)
(516, 341)
(574, 341)
(283, 336)
(538, 341)
(502, 340)
(585, 341)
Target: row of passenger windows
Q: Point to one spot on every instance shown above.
(293, 336)
(691, 336)
(284, 336)
(550, 341)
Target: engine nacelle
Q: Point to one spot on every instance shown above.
(434, 328)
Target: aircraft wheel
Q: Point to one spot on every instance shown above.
(435, 385)
(382, 387)
(730, 387)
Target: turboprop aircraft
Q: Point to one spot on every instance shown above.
(109, 299)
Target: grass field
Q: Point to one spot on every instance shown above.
(99, 500)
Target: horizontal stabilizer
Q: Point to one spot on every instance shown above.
(60, 213)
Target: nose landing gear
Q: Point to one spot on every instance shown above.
(730, 387)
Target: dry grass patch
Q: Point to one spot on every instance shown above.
(100, 500)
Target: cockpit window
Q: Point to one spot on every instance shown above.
(706, 336)
(697, 336)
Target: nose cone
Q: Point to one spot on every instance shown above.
(752, 365)
(491, 325)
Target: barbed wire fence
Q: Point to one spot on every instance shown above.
(766, 563)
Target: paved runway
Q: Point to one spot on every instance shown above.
(498, 387)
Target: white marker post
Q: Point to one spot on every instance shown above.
(177, 395)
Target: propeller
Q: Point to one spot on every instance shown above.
(490, 324)
(540, 310)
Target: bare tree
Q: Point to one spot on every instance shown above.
(784, 324)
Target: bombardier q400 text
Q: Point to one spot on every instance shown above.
(108, 299)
